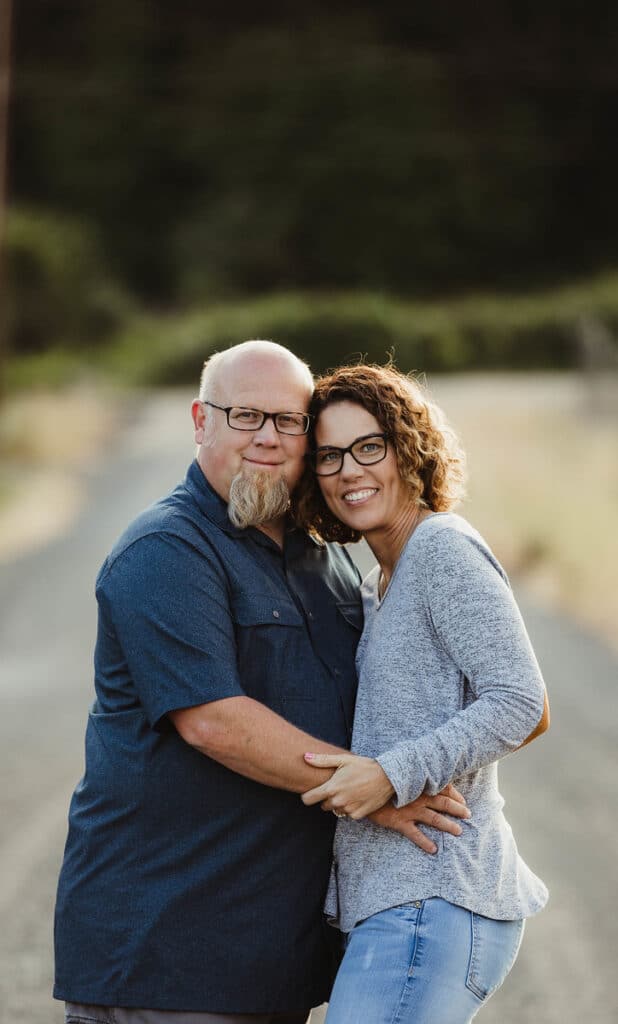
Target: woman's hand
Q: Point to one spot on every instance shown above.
(358, 786)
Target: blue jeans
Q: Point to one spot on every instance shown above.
(429, 962)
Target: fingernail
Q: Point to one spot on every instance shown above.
(435, 850)
(309, 757)
(468, 813)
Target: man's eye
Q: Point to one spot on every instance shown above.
(288, 419)
(245, 415)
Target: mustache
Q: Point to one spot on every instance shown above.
(256, 497)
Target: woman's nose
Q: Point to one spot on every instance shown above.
(350, 468)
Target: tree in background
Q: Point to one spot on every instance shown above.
(217, 150)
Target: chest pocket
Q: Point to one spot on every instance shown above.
(270, 637)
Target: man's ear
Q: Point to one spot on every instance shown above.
(199, 414)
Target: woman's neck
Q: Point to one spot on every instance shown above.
(387, 543)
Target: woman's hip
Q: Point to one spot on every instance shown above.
(422, 962)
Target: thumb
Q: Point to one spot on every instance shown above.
(326, 760)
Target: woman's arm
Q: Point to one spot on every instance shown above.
(477, 623)
(542, 726)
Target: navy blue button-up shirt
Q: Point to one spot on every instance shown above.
(186, 886)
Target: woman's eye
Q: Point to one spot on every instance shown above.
(325, 457)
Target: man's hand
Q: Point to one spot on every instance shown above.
(358, 786)
(425, 810)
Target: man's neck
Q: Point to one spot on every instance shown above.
(275, 529)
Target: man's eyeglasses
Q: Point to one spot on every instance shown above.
(239, 418)
(366, 450)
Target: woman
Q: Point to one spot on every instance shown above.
(448, 684)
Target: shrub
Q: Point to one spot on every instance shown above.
(474, 333)
(57, 290)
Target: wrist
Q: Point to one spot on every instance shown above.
(384, 816)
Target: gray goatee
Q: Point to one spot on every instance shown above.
(257, 498)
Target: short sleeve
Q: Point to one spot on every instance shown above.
(168, 605)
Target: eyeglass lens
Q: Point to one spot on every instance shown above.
(253, 419)
(365, 451)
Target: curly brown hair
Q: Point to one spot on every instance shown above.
(429, 456)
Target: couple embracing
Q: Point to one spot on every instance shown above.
(246, 684)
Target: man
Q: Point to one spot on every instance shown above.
(193, 876)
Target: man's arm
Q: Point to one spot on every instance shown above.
(249, 738)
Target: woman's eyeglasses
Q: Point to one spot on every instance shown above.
(366, 450)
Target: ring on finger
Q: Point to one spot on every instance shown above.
(339, 814)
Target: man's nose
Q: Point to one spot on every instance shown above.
(267, 434)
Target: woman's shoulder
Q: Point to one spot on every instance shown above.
(446, 538)
(439, 525)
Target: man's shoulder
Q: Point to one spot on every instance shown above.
(176, 516)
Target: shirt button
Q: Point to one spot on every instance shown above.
(275, 613)
(310, 615)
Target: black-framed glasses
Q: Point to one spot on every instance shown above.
(366, 450)
(239, 418)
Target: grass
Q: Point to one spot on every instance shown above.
(543, 488)
(46, 437)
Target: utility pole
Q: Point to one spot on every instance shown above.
(5, 89)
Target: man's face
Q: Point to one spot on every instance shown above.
(271, 383)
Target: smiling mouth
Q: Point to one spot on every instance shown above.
(356, 497)
(256, 462)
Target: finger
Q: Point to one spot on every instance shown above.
(454, 794)
(314, 796)
(448, 806)
(336, 808)
(435, 820)
(326, 760)
(419, 839)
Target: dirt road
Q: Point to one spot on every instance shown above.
(560, 792)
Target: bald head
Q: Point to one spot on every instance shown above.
(240, 362)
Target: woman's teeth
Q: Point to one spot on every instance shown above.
(353, 496)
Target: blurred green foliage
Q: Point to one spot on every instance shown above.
(57, 290)
(470, 333)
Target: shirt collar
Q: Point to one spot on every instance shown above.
(215, 509)
(209, 502)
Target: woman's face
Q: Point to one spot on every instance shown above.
(366, 498)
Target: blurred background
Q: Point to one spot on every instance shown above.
(434, 183)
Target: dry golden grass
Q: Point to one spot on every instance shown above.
(543, 487)
(45, 438)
